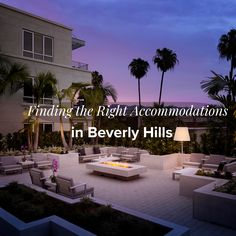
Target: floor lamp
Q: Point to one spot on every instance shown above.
(181, 134)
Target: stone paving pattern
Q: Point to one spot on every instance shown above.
(154, 193)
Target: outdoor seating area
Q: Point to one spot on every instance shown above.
(74, 180)
(9, 164)
(89, 154)
(41, 160)
(67, 187)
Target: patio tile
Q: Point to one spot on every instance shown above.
(155, 193)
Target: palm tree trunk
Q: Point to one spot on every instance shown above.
(70, 136)
(139, 103)
(36, 134)
(29, 138)
(162, 78)
(65, 145)
(231, 68)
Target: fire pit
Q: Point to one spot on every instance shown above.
(118, 170)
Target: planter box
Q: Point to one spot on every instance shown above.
(163, 162)
(53, 226)
(189, 182)
(215, 207)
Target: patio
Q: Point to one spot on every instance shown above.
(154, 193)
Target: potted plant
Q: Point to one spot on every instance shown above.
(54, 170)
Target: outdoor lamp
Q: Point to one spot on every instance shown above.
(181, 134)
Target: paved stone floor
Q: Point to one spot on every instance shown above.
(154, 193)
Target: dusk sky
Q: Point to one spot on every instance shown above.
(116, 31)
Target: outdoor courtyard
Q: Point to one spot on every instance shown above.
(154, 193)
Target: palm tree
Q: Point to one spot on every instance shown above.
(44, 84)
(106, 89)
(165, 59)
(70, 93)
(97, 95)
(220, 88)
(12, 75)
(227, 49)
(60, 94)
(139, 68)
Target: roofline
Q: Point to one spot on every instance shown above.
(35, 16)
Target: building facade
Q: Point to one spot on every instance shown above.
(42, 45)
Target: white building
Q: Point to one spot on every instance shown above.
(42, 45)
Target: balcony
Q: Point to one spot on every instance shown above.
(77, 43)
(79, 65)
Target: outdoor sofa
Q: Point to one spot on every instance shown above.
(196, 160)
(213, 161)
(230, 167)
(67, 187)
(130, 155)
(8, 164)
(41, 160)
(89, 153)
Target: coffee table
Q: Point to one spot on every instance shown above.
(26, 164)
(183, 171)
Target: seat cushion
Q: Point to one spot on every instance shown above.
(96, 150)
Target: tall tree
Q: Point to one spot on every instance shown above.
(106, 89)
(12, 75)
(223, 88)
(227, 49)
(165, 59)
(139, 68)
(44, 84)
(60, 94)
(71, 94)
(96, 95)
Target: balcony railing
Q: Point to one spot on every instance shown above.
(79, 65)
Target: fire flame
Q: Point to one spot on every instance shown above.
(116, 164)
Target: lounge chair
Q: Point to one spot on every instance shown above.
(213, 161)
(8, 164)
(67, 187)
(196, 160)
(37, 177)
(41, 160)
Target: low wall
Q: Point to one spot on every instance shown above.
(189, 182)
(215, 207)
(53, 226)
(163, 162)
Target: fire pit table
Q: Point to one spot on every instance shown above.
(117, 170)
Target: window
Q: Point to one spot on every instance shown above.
(37, 46)
(45, 127)
(29, 95)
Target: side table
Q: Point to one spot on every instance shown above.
(51, 186)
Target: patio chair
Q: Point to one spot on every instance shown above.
(37, 177)
(8, 164)
(213, 161)
(41, 160)
(67, 187)
(196, 160)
